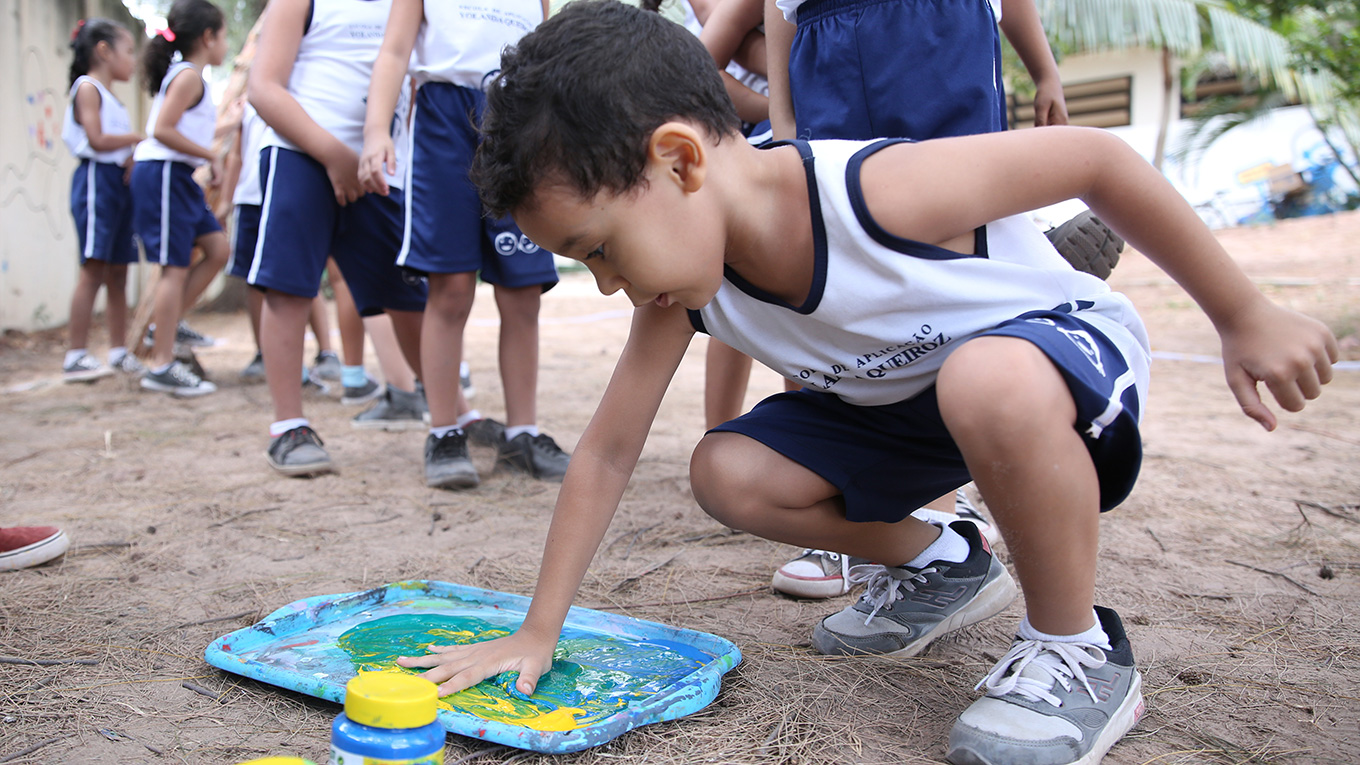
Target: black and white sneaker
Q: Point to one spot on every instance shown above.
(327, 366)
(185, 335)
(485, 432)
(84, 368)
(903, 609)
(129, 364)
(254, 371)
(538, 456)
(446, 462)
(396, 410)
(354, 395)
(178, 380)
(1052, 703)
(298, 452)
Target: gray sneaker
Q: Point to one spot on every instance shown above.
(327, 366)
(485, 432)
(254, 371)
(1087, 243)
(538, 456)
(904, 609)
(1052, 703)
(298, 452)
(85, 368)
(354, 395)
(129, 364)
(446, 462)
(178, 380)
(396, 410)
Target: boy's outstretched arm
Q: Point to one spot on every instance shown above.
(936, 191)
(601, 465)
(389, 70)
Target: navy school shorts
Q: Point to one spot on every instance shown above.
(245, 233)
(169, 211)
(890, 460)
(101, 204)
(301, 225)
(446, 232)
(918, 69)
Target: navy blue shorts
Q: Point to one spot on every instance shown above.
(169, 211)
(889, 460)
(101, 204)
(446, 232)
(862, 69)
(301, 224)
(245, 233)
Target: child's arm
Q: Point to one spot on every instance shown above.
(86, 107)
(727, 27)
(1020, 22)
(231, 171)
(182, 93)
(936, 191)
(778, 42)
(280, 35)
(380, 156)
(600, 468)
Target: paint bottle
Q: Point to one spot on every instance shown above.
(389, 718)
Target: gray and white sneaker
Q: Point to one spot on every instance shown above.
(816, 574)
(310, 384)
(327, 366)
(354, 395)
(963, 511)
(903, 609)
(396, 410)
(185, 335)
(538, 456)
(129, 364)
(1052, 703)
(254, 371)
(298, 452)
(178, 380)
(485, 432)
(84, 368)
(446, 462)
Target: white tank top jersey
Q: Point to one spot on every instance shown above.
(113, 120)
(331, 73)
(790, 9)
(248, 191)
(197, 123)
(884, 312)
(461, 42)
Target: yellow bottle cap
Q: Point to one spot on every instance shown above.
(390, 700)
(279, 761)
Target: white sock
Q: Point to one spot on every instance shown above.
(116, 354)
(1095, 635)
(949, 546)
(72, 355)
(162, 370)
(462, 369)
(472, 415)
(277, 429)
(532, 430)
(444, 430)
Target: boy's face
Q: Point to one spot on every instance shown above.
(661, 242)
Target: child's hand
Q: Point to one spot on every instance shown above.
(456, 667)
(379, 159)
(343, 170)
(1289, 352)
(218, 171)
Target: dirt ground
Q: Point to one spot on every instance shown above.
(1235, 563)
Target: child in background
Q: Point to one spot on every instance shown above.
(170, 213)
(939, 334)
(308, 84)
(456, 48)
(99, 133)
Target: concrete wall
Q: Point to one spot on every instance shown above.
(1145, 66)
(39, 258)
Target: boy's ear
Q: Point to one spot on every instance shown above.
(679, 151)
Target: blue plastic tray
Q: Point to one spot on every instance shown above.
(610, 673)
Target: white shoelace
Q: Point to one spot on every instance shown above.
(881, 588)
(1047, 664)
(184, 376)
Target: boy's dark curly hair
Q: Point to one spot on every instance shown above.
(577, 100)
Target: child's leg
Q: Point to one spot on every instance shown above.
(726, 373)
(282, 324)
(441, 344)
(347, 318)
(320, 321)
(169, 307)
(216, 252)
(115, 304)
(1016, 432)
(396, 372)
(91, 277)
(255, 307)
(519, 352)
(408, 329)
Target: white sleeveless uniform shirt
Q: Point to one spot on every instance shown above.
(248, 191)
(197, 123)
(113, 120)
(461, 42)
(332, 70)
(883, 312)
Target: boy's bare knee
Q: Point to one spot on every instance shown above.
(716, 479)
(994, 384)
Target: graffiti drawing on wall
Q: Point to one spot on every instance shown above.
(35, 181)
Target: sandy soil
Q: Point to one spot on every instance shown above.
(1236, 562)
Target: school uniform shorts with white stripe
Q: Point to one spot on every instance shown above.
(101, 204)
(889, 460)
(301, 224)
(169, 211)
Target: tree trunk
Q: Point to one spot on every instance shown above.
(1168, 92)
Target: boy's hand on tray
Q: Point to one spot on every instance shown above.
(456, 667)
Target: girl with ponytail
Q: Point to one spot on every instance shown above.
(170, 213)
(99, 133)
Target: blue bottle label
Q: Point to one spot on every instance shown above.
(341, 757)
